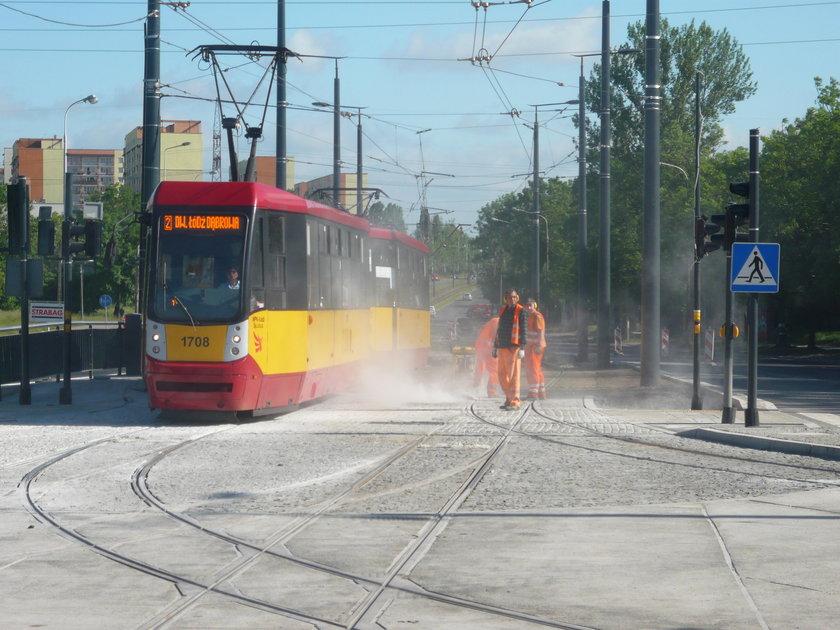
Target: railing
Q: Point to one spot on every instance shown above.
(93, 346)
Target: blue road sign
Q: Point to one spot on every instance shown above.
(755, 267)
(105, 301)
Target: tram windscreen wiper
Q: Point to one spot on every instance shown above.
(179, 302)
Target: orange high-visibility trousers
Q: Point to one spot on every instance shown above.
(484, 360)
(509, 374)
(534, 372)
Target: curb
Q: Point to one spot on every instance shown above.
(791, 447)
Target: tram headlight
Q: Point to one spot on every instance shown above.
(155, 349)
(236, 339)
(234, 351)
(156, 337)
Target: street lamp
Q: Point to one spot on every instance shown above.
(540, 216)
(68, 193)
(175, 146)
(536, 212)
(336, 104)
(604, 305)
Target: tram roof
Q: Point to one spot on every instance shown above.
(386, 234)
(248, 195)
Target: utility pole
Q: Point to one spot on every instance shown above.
(583, 316)
(336, 183)
(151, 133)
(535, 278)
(650, 351)
(280, 141)
(604, 290)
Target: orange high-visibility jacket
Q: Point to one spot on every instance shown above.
(513, 329)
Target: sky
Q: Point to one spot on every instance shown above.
(438, 128)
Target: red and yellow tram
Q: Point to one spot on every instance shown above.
(316, 293)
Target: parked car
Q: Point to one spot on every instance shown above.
(466, 296)
(480, 311)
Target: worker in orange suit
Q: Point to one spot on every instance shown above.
(534, 351)
(510, 347)
(484, 359)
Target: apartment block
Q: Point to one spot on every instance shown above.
(181, 153)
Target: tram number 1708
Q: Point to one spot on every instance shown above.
(195, 342)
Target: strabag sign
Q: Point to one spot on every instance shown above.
(40, 312)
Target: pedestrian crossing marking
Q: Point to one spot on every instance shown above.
(755, 267)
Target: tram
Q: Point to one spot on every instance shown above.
(260, 300)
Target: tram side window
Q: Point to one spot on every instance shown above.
(276, 268)
(256, 276)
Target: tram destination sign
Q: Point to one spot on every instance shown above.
(202, 222)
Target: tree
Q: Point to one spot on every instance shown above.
(386, 216)
(119, 225)
(727, 80)
(800, 209)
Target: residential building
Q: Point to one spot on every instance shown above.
(41, 161)
(267, 170)
(181, 153)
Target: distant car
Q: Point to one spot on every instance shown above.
(435, 277)
(479, 311)
(466, 296)
(432, 311)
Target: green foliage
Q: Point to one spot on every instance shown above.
(386, 216)
(685, 50)
(118, 223)
(505, 242)
(800, 209)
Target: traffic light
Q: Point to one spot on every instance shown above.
(46, 232)
(93, 238)
(17, 202)
(92, 232)
(709, 234)
(738, 213)
(111, 253)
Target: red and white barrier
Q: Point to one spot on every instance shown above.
(617, 343)
(709, 345)
(666, 341)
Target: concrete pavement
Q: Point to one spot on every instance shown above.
(764, 560)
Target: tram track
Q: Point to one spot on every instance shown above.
(367, 610)
(381, 590)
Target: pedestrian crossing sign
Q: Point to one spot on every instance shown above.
(755, 267)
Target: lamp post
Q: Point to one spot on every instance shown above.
(336, 105)
(539, 215)
(359, 166)
(604, 298)
(65, 394)
(536, 185)
(174, 146)
(68, 192)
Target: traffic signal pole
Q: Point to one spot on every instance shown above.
(696, 399)
(728, 413)
(751, 413)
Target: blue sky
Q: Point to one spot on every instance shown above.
(436, 126)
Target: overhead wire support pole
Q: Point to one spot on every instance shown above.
(150, 174)
(280, 140)
(650, 351)
(583, 318)
(604, 290)
(535, 278)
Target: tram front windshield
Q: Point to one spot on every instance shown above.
(198, 274)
